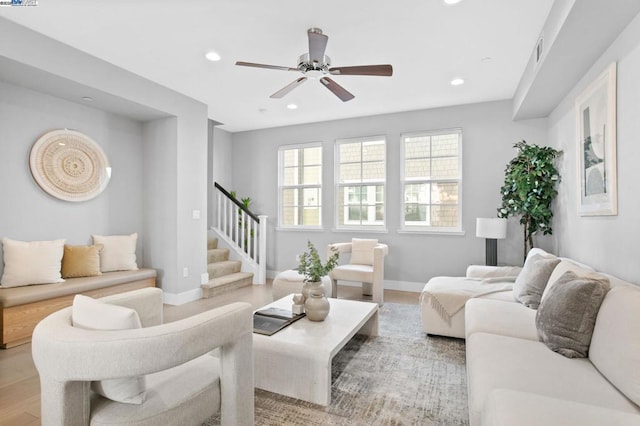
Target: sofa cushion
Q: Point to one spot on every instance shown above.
(21, 295)
(566, 318)
(81, 261)
(35, 262)
(92, 314)
(533, 278)
(193, 388)
(615, 345)
(118, 252)
(495, 362)
(508, 407)
(499, 317)
(362, 251)
(566, 265)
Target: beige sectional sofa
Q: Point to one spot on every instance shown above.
(516, 379)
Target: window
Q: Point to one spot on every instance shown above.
(300, 186)
(360, 192)
(432, 180)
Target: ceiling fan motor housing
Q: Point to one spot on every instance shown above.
(305, 64)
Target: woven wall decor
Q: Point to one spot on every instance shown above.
(69, 165)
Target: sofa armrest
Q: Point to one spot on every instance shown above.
(482, 271)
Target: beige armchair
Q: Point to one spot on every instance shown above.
(366, 266)
(185, 382)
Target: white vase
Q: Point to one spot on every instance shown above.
(312, 287)
(317, 306)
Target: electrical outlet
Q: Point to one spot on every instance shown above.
(204, 278)
(297, 258)
(185, 272)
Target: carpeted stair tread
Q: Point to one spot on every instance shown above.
(217, 255)
(226, 267)
(225, 283)
(212, 243)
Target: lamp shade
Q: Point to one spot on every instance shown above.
(491, 228)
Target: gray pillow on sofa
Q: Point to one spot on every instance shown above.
(532, 280)
(567, 316)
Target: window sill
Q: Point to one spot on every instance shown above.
(300, 228)
(431, 231)
(363, 230)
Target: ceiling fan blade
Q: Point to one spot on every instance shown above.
(289, 87)
(271, 67)
(337, 90)
(379, 70)
(317, 45)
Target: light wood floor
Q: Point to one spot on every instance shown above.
(19, 384)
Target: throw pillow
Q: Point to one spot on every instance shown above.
(35, 262)
(93, 314)
(566, 318)
(118, 252)
(532, 280)
(81, 261)
(362, 251)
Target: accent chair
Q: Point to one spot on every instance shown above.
(366, 265)
(186, 383)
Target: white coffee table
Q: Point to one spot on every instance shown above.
(296, 361)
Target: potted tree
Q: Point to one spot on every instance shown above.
(529, 188)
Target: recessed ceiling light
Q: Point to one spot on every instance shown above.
(450, 2)
(212, 56)
(457, 82)
(486, 59)
(292, 106)
(87, 98)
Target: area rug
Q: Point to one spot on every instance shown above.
(401, 377)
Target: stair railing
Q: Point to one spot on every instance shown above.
(244, 228)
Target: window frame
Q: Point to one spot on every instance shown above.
(301, 187)
(337, 186)
(458, 230)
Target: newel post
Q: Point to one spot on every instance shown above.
(262, 250)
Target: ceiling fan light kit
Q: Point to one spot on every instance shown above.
(316, 65)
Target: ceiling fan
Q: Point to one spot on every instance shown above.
(317, 65)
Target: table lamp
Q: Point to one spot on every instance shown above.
(492, 229)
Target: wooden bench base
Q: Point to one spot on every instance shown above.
(17, 322)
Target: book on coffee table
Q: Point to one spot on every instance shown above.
(271, 320)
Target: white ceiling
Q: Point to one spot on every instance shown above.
(427, 42)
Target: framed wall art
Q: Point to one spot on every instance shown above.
(596, 130)
(69, 165)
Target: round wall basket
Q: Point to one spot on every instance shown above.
(69, 165)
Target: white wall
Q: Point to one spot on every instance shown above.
(28, 213)
(609, 243)
(488, 137)
(59, 64)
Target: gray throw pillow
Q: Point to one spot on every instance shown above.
(532, 280)
(567, 316)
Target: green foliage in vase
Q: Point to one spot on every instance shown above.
(529, 188)
(310, 265)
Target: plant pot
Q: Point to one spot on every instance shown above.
(317, 306)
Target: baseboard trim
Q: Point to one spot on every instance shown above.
(182, 298)
(410, 286)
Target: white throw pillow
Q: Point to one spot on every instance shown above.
(93, 314)
(118, 252)
(362, 251)
(36, 262)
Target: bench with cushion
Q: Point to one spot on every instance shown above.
(41, 277)
(23, 307)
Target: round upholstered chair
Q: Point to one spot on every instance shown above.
(291, 282)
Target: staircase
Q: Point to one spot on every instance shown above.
(224, 274)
